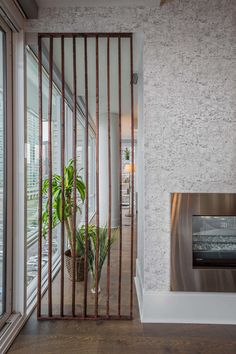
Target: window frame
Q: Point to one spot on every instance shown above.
(31, 288)
(8, 168)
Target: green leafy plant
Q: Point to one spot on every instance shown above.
(79, 246)
(104, 246)
(68, 201)
(80, 239)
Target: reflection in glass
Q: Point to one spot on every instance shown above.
(214, 241)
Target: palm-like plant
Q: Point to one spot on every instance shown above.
(104, 246)
(68, 201)
(80, 239)
(79, 246)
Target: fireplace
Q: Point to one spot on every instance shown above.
(203, 242)
(214, 241)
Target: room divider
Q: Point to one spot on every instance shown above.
(70, 299)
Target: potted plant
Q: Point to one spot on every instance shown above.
(104, 246)
(80, 243)
(68, 214)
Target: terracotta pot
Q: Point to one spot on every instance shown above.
(79, 266)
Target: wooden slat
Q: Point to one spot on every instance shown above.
(74, 175)
(132, 180)
(120, 177)
(39, 295)
(97, 176)
(109, 175)
(86, 177)
(50, 177)
(88, 318)
(87, 35)
(62, 173)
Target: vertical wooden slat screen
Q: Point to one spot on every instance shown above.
(107, 311)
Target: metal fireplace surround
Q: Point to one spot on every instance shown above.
(186, 273)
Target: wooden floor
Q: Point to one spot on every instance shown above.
(126, 337)
(115, 337)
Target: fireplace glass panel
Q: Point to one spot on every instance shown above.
(214, 241)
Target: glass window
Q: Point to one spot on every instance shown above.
(91, 174)
(80, 147)
(32, 149)
(32, 156)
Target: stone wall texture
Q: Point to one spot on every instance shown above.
(189, 103)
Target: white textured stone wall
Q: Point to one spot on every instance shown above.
(189, 103)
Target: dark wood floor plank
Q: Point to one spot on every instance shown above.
(130, 337)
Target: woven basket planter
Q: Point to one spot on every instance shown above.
(79, 266)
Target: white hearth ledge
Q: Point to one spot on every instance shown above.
(185, 307)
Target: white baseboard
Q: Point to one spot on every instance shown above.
(185, 307)
(139, 288)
